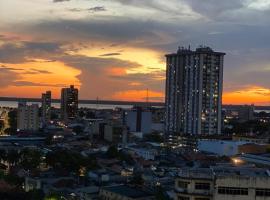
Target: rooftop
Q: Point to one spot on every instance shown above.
(201, 49)
(220, 171)
(128, 191)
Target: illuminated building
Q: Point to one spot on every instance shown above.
(194, 82)
(46, 106)
(69, 103)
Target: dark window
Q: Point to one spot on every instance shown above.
(202, 186)
(183, 184)
(233, 190)
(262, 192)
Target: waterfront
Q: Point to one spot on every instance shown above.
(14, 104)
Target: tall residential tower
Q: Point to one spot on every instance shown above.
(69, 103)
(194, 82)
(46, 99)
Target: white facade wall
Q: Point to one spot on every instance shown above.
(28, 118)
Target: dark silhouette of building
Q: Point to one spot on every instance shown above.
(69, 103)
(46, 99)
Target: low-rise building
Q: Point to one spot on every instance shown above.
(115, 133)
(222, 183)
(28, 118)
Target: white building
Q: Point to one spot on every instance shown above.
(223, 183)
(138, 120)
(28, 118)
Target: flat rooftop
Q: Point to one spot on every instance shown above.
(222, 171)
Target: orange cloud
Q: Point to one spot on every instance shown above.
(253, 95)
(36, 77)
(116, 71)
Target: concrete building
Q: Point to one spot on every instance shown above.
(194, 81)
(46, 101)
(124, 192)
(28, 118)
(69, 103)
(115, 133)
(241, 113)
(138, 120)
(222, 183)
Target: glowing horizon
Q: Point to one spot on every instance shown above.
(107, 50)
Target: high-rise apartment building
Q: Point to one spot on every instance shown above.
(28, 118)
(46, 106)
(194, 82)
(69, 103)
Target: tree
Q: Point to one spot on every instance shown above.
(137, 179)
(30, 158)
(77, 129)
(12, 120)
(159, 195)
(3, 155)
(112, 152)
(35, 195)
(53, 196)
(13, 157)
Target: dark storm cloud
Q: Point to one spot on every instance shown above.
(10, 68)
(92, 9)
(95, 64)
(57, 1)
(116, 30)
(153, 80)
(212, 8)
(28, 83)
(110, 54)
(97, 9)
(18, 53)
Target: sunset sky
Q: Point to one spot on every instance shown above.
(114, 49)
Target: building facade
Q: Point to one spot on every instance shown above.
(138, 120)
(69, 103)
(223, 183)
(193, 99)
(28, 118)
(46, 99)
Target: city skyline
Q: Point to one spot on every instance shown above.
(107, 50)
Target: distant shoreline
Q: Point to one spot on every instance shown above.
(113, 102)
